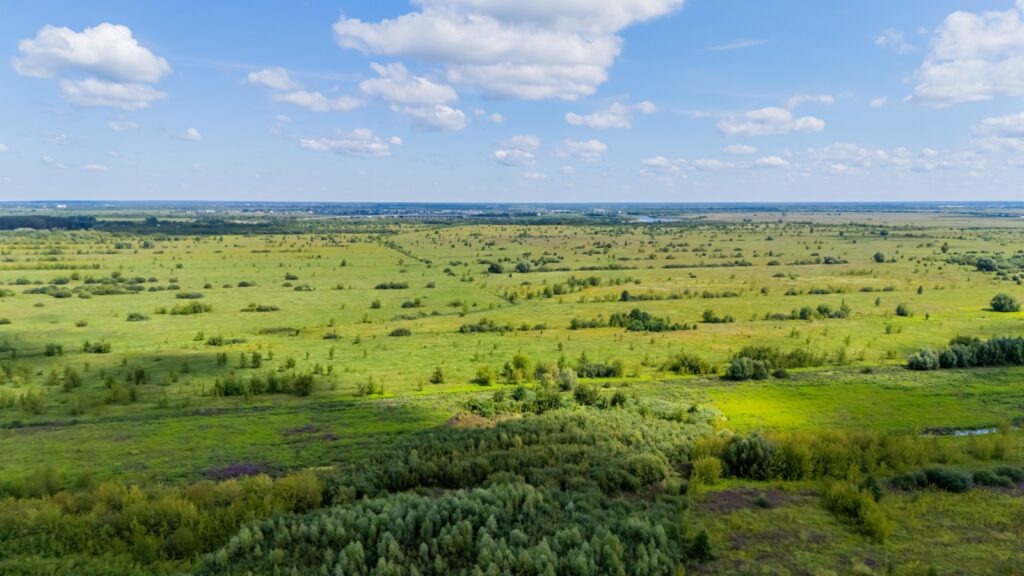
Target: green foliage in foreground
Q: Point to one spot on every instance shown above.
(511, 528)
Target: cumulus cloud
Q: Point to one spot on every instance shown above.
(317, 102)
(517, 151)
(973, 57)
(522, 49)
(360, 143)
(496, 118)
(851, 156)
(658, 165)
(534, 175)
(192, 135)
(288, 90)
(740, 149)
(771, 162)
(122, 125)
(585, 150)
(879, 102)
(768, 121)
(892, 39)
(437, 117)
(422, 100)
(395, 84)
(100, 66)
(1001, 133)
(617, 115)
(3, 148)
(710, 164)
(93, 92)
(276, 78)
(96, 168)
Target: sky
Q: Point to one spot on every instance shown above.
(512, 100)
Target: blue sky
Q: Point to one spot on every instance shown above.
(512, 100)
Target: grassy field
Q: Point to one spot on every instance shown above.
(146, 358)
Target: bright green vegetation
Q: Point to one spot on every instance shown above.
(359, 397)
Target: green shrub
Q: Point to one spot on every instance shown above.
(924, 359)
(859, 506)
(749, 457)
(1005, 303)
(991, 478)
(706, 470)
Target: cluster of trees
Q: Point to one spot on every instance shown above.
(507, 528)
(298, 384)
(636, 320)
(186, 309)
(62, 525)
(488, 325)
(711, 317)
(822, 311)
(836, 455)
(760, 362)
(968, 352)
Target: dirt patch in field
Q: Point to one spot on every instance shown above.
(729, 501)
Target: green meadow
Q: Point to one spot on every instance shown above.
(180, 392)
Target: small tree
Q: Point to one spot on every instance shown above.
(1005, 303)
(879, 257)
(438, 376)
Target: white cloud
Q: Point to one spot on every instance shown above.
(106, 51)
(424, 101)
(767, 121)
(856, 156)
(879, 102)
(496, 118)
(317, 102)
(735, 45)
(192, 135)
(3, 148)
(517, 151)
(617, 115)
(534, 176)
(801, 99)
(740, 149)
(96, 168)
(276, 78)
(711, 164)
(1011, 126)
(122, 125)
(523, 49)
(973, 57)
(437, 117)
(659, 164)
(100, 66)
(585, 150)
(771, 162)
(892, 39)
(1001, 133)
(291, 92)
(361, 143)
(93, 92)
(396, 85)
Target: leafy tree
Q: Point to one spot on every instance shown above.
(1005, 303)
